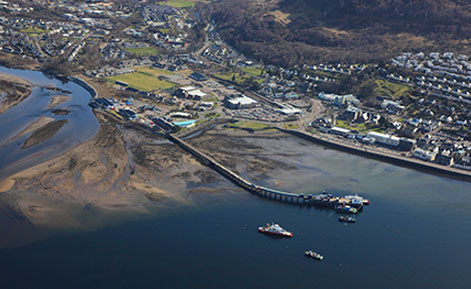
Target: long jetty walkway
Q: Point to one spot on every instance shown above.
(306, 199)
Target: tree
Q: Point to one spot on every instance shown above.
(367, 89)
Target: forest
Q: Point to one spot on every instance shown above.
(290, 32)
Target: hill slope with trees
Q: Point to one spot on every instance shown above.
(290, 32)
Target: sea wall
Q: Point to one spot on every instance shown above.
(383, 156)
(85, 85)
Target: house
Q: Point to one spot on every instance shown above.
(444, 158)
(352, 113)
(424, 155)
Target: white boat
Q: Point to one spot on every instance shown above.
(275, 229)
(354, 199)
(314, 255)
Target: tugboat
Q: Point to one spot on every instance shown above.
(275, 229)
(346, 209)
(314, 255)
(347, 219)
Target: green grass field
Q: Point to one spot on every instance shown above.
(155, 72)
(290, 126)
(33, 30)
(142, 81)
(251, 125)
(212, 115)
(360, 127)
(390, 89)
(239, 78)
(142, 51)
(181, 4)
(255, 71)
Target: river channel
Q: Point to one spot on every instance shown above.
(81, 123)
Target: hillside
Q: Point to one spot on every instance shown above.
(291, 32)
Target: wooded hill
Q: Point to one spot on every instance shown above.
(290, 32)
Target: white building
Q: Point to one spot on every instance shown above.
(240, 101)
(424, 155)
(384, 139)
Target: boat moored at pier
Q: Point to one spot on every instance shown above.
(347, 219)
(346, 209)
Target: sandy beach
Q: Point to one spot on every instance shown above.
(13, 90)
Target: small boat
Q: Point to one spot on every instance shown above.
(357, 199)
(314, 255)
(346, 209)
(347, 219)
(275, 229)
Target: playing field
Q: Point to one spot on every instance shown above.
(142, 81)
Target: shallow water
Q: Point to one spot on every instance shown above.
(81, 126)
(414, 235)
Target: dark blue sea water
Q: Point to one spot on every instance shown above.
(394, 244)
(415, 234)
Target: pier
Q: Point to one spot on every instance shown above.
(300, 199)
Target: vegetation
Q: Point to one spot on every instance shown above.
(34, 30)
(290, 126)
(251, 125)
(181, 4)
(142, 51)
(213, 98)
(212, 115)
(390, 89)
(253, 70)
(289, 32)
(156, 72)
(238, 78)
(142, 81)
(360, 127)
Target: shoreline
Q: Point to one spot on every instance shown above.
(14, 90)
(385, 157)
(406, 162)
(83, 83)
